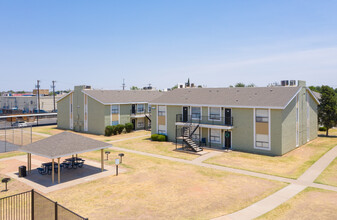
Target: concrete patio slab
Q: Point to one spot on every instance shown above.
(69, 177)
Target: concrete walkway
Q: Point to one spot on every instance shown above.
(130, 138)
(272, 201)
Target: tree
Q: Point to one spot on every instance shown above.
(315, 88)
(134, 88)
(240, 84)
(327, 110)
(174, 87)
(251, 85)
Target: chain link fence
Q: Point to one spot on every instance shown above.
(14, 137)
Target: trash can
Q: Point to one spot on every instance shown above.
(22, 171)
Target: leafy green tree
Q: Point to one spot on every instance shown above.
(174, 87)
(315, 88)
(327, 110)
(240, 84)
(134, 88)
(251, 85)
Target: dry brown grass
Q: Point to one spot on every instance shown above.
(147, 145)
(329, 175)
(158, 189)
(312, 203)
(290, 165)
(52, 130)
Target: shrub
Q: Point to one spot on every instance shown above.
(158, 137)
(162, 137)
(114, 129)
(108, 130)
(128, 127)
(119, 128)
(154, 137)
(322, 128)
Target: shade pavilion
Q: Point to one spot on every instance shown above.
(62, 145)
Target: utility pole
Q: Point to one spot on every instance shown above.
(53, 87)
(123, 85)
(38, 96)
(38, 101)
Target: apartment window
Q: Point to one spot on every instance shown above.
(262, 115)
(196, 112)
(215, 136)
(114, 123)
(140, 108)
(262, 129)
(214, 113)
(140, 124)
(161, 111)
(149, 108)
(114, 109)
(262, 141)
(161, 129)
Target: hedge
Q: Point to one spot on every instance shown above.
(108, 130)
(158, 137)
(322, 128)
(128, 127)
(119, 128)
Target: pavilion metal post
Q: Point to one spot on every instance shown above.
(102, 160)
(58, 170)
(28, 162)
(52, 170)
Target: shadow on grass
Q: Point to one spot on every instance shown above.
(330, 136)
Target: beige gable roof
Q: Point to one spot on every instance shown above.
(63, 144)
(122, 96)
(270, 97)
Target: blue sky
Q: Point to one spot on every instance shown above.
(215, 43)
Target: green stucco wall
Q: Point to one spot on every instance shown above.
(63, 113)
(96, 117)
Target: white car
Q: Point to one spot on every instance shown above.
(19, 124)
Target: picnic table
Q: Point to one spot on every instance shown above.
(46, 168)
(73, 162)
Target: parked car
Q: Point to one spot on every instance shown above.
(19, 124)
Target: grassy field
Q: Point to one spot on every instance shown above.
(146, 145)
(290, 165)
(311, 203)
(52, 130)
(159, 189)
(11, 154)
(329, 175)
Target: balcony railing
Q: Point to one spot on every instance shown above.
(209, 120)
(139, 113)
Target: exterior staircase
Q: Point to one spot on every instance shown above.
(188, 139)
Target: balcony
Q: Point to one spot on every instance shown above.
(211, 121)
(140, 114)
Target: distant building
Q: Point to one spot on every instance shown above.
(43, 92)
(90, 111)
(26, 103)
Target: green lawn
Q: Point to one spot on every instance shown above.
(290, 165)
(329, 175)
(11, 154)
(154, 188)
(311, 203)
(145, 144)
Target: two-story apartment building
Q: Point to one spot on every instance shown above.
(88, 110)
(263, 120)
